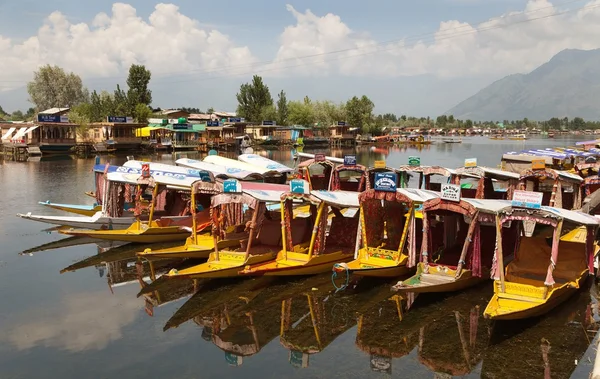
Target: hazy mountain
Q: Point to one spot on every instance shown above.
(566, 86)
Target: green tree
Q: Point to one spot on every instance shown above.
(468, 124)
(451, 119)
(252, 99)
(578, 123)
(2, 112)
(17, 116)
(142, 113)
(282, 108)
(53, 87)
(210, 110)
(137, 81)
(554, 123)
(121, 105)
(30, 113)
(441, 121)
(359, 112)
(300, 113)
(80, 115)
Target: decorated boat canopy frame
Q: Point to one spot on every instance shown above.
(295, 196)
(438, 170)
(213, 188)
(483, 172)
(234, 198)
(397, 196)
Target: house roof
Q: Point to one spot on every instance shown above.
(171, 111)
(54, 110)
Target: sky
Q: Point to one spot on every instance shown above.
(410, 57)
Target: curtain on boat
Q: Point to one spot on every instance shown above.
(318, 232)
(475, 247)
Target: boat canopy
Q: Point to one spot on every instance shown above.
(179, 182)
(239, 165)
(418, 195)
(312, 156)
(165, 167)
(156, 169)
(361, 184)
(266, 163)
(493, 173)
(552, 174)
(342, 199)
(220, 171)
(438, 170)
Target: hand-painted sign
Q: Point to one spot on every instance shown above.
(212, 123)
(145, 170)
(51, 118)
(527, 199)
(414, 161)
(471, 162)
(451, 192)
(119, 119)
(538, 164)
(319, 157)
(379, 164)
(386, 181)
(349, 160)
(232, 186)
(299, 186)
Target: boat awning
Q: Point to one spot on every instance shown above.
(572, 216)
(20, 133)
(268, 196)
(8, 133)
(265, 163)
(487, 171)
(339, 198)
(570, 176)
(219, 170)
(233, 164)
(592, 142)
(178, 181)
(489, 205)
(419, 195)
(31, 129)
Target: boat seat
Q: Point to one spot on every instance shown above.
(530, 265)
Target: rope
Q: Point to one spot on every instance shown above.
(340, 267)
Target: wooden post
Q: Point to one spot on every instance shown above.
(153, 205)
(499, 253)
(283, 232)
(315, 230)
(252, 230)
(193, 206)
(465, 249)
(405, 232)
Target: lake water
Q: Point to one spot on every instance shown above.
(89, 322)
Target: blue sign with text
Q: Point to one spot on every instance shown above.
(231, 186)
(386, 181)
(341, 123)
(212, 123)
(119, 119)
(236, 119)
(181, 126)
(349, 160)
(51, 118)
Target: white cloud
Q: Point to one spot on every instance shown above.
(514, 42)
(167, 42)
(85, 321)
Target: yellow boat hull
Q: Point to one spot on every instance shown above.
(228, 265)
(297, 264)
(440, 279)
(379, 263)
(198, 248)
(137, 233)
(520, 301)
(75, 210)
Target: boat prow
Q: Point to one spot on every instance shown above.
(138, 232)
(84, 210)
(229, 263)
(97, 221)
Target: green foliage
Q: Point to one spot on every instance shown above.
(578, 123)
(191, 110)
(359, 113)
(210, 110)
(142, 113)
(300, 113)
(468, 124)
(53, 87)
(554, 123)
(282, 108)
(120, 103)
(2, 112)
(30, 113)
(268, 113)
(80, 115)
(137, 81)
(252, 99)
(17, 116)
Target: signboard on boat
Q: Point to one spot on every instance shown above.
(298, 359)
(386, 181)
(414, 161)
(146, 170)
(232, 359)
(119, 119)
(379, 164)
(450, 192)
(538, 164)
(299, 186)
(232, 186)
(319, 157)
(212, 123)
(471, 162)
(349, 160)
(51, 118)
(527, 199)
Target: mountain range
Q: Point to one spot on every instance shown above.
(568, 85)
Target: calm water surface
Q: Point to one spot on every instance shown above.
(102, 318)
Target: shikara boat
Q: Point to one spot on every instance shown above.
(590, 174)
(491, 183)
(169, 216)
(561, 189)
(84, 210)
(518, 137)
(543, 274)
(497, 137)
(318, 174)
(458, 244)
(220, 171)
(97, 221)
(270, 175)
(390, 232)
(431, 171)
(263, 228)
(321, 250)
(201, 244)
(353, 178)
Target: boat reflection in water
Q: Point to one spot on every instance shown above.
(547, 347)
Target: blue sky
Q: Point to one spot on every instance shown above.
(421, 76)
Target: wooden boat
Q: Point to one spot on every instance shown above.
(458, 244)
(97, 221)
(321, 250)
(497, 137)
(219, 171)
(387, 244)
(452, 140)
(264, 234)
(518, 137)
(418, 140)
(201, 244)
(590, 174)
(353, 178)
(168, 226)
(270, 175)
(84, 210)
(318, 173)
(542, 274)
(486, 177)
(561, 189)
(312, 156)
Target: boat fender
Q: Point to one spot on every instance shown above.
(339, 268)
